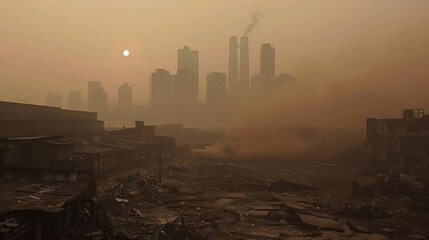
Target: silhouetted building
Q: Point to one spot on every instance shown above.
(244, 84)
(125, 96)
(267, 66)
(20, 120)
(93, 87)
(268, 60)
(161, 89)
(54, 100)
(188, 60)
(216, 93)
(233, 67)
(185, 89)
(185, 84)
(75, 100)
(97, 97)
(402, 141)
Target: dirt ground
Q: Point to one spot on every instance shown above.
(242, 199)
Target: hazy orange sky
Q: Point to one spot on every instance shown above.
(59, 45)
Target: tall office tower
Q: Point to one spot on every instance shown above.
(75, 100)
(54, 100)
(93, 87)
(268, 66)
(185, 89)
(244, 84)
(185, 85)
(188, 60)
(216, 93)
(97, 97)
(125, 96)
(161, 89)
(233, 67)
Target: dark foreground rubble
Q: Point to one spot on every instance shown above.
(216, 200)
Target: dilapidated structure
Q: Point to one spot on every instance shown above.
(403, 141)
(43, 210)
(50, 159)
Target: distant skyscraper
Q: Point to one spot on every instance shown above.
(185, 84)
(54, 100)
(93, 87)
(75, 100)
(125, 96)
(233, 67)
(216, 93)
(244, 84)
(268, 66)
(161, 89)
(97, 97)
(188, 60)
(185, 89)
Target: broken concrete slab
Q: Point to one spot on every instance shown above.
(260, 214)
(321, 222)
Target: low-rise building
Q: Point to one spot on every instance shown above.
(23, 120)
(403, 141)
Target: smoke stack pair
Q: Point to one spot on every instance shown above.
(238, 81)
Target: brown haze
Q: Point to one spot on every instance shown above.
(375, 74)
(352, 59)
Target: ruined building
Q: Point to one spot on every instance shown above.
(403, 142)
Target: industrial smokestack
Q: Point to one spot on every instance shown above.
(233, 67)
(255, 20)
(244, 65)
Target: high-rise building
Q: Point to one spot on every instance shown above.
(93, 86)
(268, 60)
(188, 60)
(185, 89)
(216, 93)
(233, 67)
(161, 89)
(268, 66)
(244, 84)
(125, 96)
(54, 100)
(185, 84)
(97, 97)
(75, 100)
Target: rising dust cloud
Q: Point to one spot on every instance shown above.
(325, 110)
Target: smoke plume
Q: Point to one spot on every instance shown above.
(377, 74)
(256, 18)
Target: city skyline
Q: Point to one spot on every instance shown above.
(333, 56)
(297, 29)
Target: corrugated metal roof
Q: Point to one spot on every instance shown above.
(30, 195)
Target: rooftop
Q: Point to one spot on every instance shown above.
(31, 195)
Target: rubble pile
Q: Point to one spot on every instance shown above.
(212, 200)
